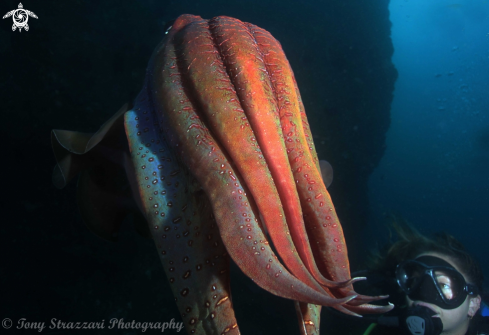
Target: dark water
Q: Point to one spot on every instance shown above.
(434, 171)
(81, 60)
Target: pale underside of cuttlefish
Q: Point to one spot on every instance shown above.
(220, 161)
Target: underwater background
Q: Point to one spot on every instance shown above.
(434, 170)
(397, 97)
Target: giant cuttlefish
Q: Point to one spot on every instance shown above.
(220, 161)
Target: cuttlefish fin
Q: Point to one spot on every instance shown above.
(68, 165)
(105, 199)
(103, 191)
(69, 146)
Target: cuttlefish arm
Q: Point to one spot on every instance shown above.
(321, 221)
(179, 116)
(309, 317)
(185, 230)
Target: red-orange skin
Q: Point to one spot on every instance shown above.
(221, 94)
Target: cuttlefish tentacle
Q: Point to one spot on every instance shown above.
(183, 227)
(201, 153)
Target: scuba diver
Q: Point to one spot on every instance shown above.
(438, 287)
(438, 295)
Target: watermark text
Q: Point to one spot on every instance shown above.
(114, 323)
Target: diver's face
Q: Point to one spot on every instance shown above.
(455, 321)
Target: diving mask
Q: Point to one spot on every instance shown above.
(433, 280)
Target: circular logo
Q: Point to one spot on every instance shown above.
(20, 17)
(6, 323)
